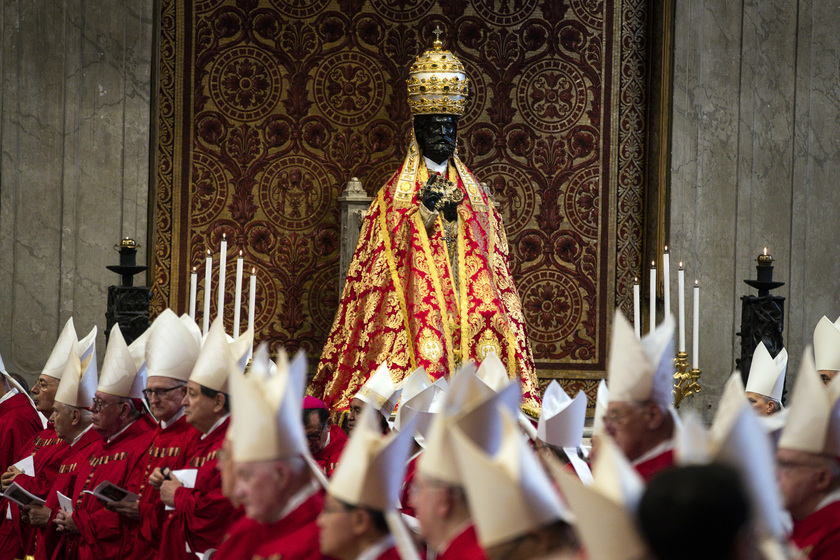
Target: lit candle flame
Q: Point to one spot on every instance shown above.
(208, 251)
(224, 236)
(240, 253)
(194, 270)
(696, 283)
(253, 270)
(666, 248)
(765, 251)
(635, 280)
(681, 266)
(653, 264)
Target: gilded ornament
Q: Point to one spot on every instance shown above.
(437, 82)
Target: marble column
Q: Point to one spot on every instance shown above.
(75, 85)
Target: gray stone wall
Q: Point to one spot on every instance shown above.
(755, 163)
(75, 83)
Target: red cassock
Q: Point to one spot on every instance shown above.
(464, 547)
(202, 514)
(48, 538)
(171, 447)
(116, 461)
(295, 536)
(653, 466)
(818, 535)
(328, 457)
(390, 554)
(243, 538)
(48, 451)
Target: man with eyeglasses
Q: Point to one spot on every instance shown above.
(46, 448)
(639, 415)
(170, 354)
(326, 440)
(807, 463)
(91, 530)
(201, 515)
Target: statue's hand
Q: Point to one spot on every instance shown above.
(431, 194)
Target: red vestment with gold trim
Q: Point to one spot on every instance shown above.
(17, 539)
(202, 514)
(170, 447)
(405, 303)
(48, 539)
(116, 461)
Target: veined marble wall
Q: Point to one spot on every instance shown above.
(75, 83)
(755, 163)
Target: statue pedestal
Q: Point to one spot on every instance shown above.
(354, 205)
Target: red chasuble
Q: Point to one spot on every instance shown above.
(116, 461)
(202, 514)
(170, 447)
(653, 466)
(295, 536)
(464, 547)
(818, 535)
(328, 457)
(17, 539)
(405, 303)
(48, 539)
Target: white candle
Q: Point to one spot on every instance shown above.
(193, 290)
(237, 304)
(252, 299)
(208, 288)
(666, 278)
(696, 333)
(681, 304)
(652, 296)
(637, 320)
(220, 310)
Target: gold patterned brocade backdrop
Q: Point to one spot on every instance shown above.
(267, 108)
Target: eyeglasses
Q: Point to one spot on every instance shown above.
(99, 404)
(160, 393)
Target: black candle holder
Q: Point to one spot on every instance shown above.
(762, 316)
(128, 305)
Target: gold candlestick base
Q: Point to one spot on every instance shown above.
(685, 380)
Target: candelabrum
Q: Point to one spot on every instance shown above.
(685, 380)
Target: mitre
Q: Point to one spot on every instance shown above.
(827, 345)
(119, 373)
(380, 392)
(172, 347)
(767, 374)
(503, 471)
(641, 370)
(66, 343)
(215, 362)
(813, 423)
(78, 382)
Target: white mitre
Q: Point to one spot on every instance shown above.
(380, 392)
(561, 424)
(767, 374)
(602, 400)
(492, 371)
(508, 491)
(465, 392)
(172, 347)
(78, 382)
(66, 343)
(813, 423)
(604, 512)
(214, 362)
(827, 345)
(240, 348)
(413, 385)
(119, 372)
(266, 414)
(641, 370)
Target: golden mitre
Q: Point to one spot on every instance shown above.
(437, 82)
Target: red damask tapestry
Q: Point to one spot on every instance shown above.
(268, 108)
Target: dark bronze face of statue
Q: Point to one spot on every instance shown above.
(436, 136)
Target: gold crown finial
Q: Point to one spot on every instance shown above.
(437, 33)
